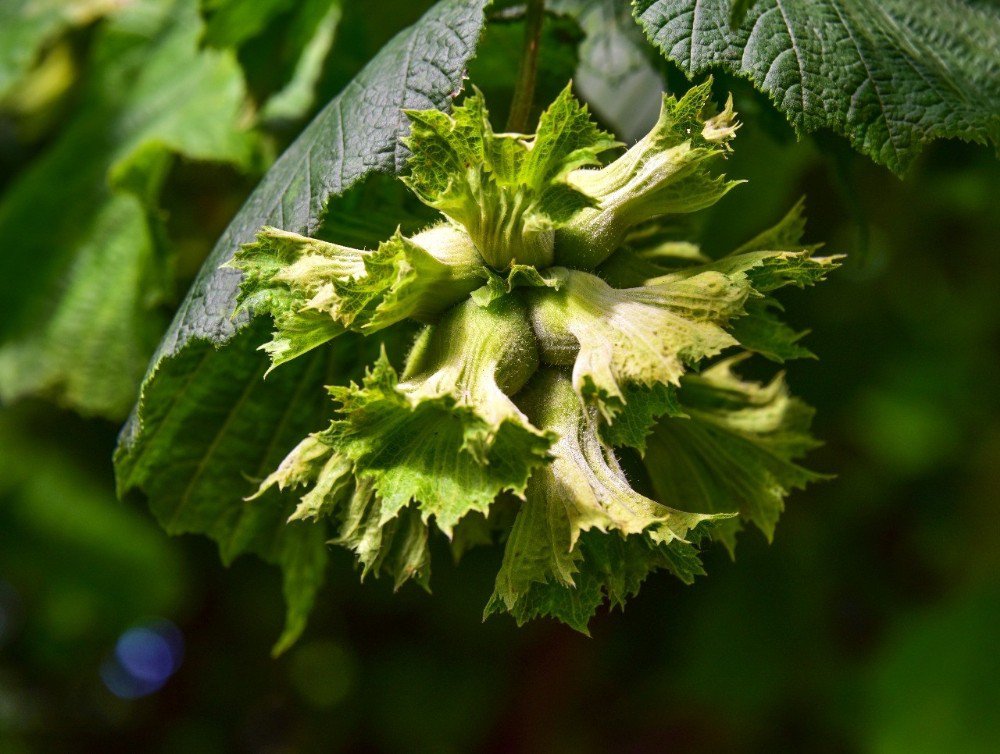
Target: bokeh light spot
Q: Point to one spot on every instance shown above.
(144, 658)
(145, 654)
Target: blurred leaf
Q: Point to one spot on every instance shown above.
(85, 266)
(26, 25)
(230, 23)
(296, 98)
(613, 45)
(205, 417)
(615, 74)
(284, 41)
(32, 103)
(890, 75)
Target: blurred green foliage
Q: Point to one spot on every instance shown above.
(869, 625)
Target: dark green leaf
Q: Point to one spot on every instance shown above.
(203, 397)
(890, 75)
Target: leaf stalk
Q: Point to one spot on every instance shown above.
(524, 89)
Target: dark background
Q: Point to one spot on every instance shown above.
(870, 624)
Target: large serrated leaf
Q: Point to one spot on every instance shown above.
(355, 135)
(205, 418)
(890, 75)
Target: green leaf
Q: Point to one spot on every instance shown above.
(475, 529)
(630, 346)
(736, 447)
(518, 276)
(73, 355)
(762, 330)
(667, 172)
(447, 436)
(643, 406)
(413, 278)
(26, 25)
(566, 139)
(582, 489)
(771, 260)
(213, 435)
(86, 266)
(765, 270)
(508, 190)
(890, 75)
(205, 417)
